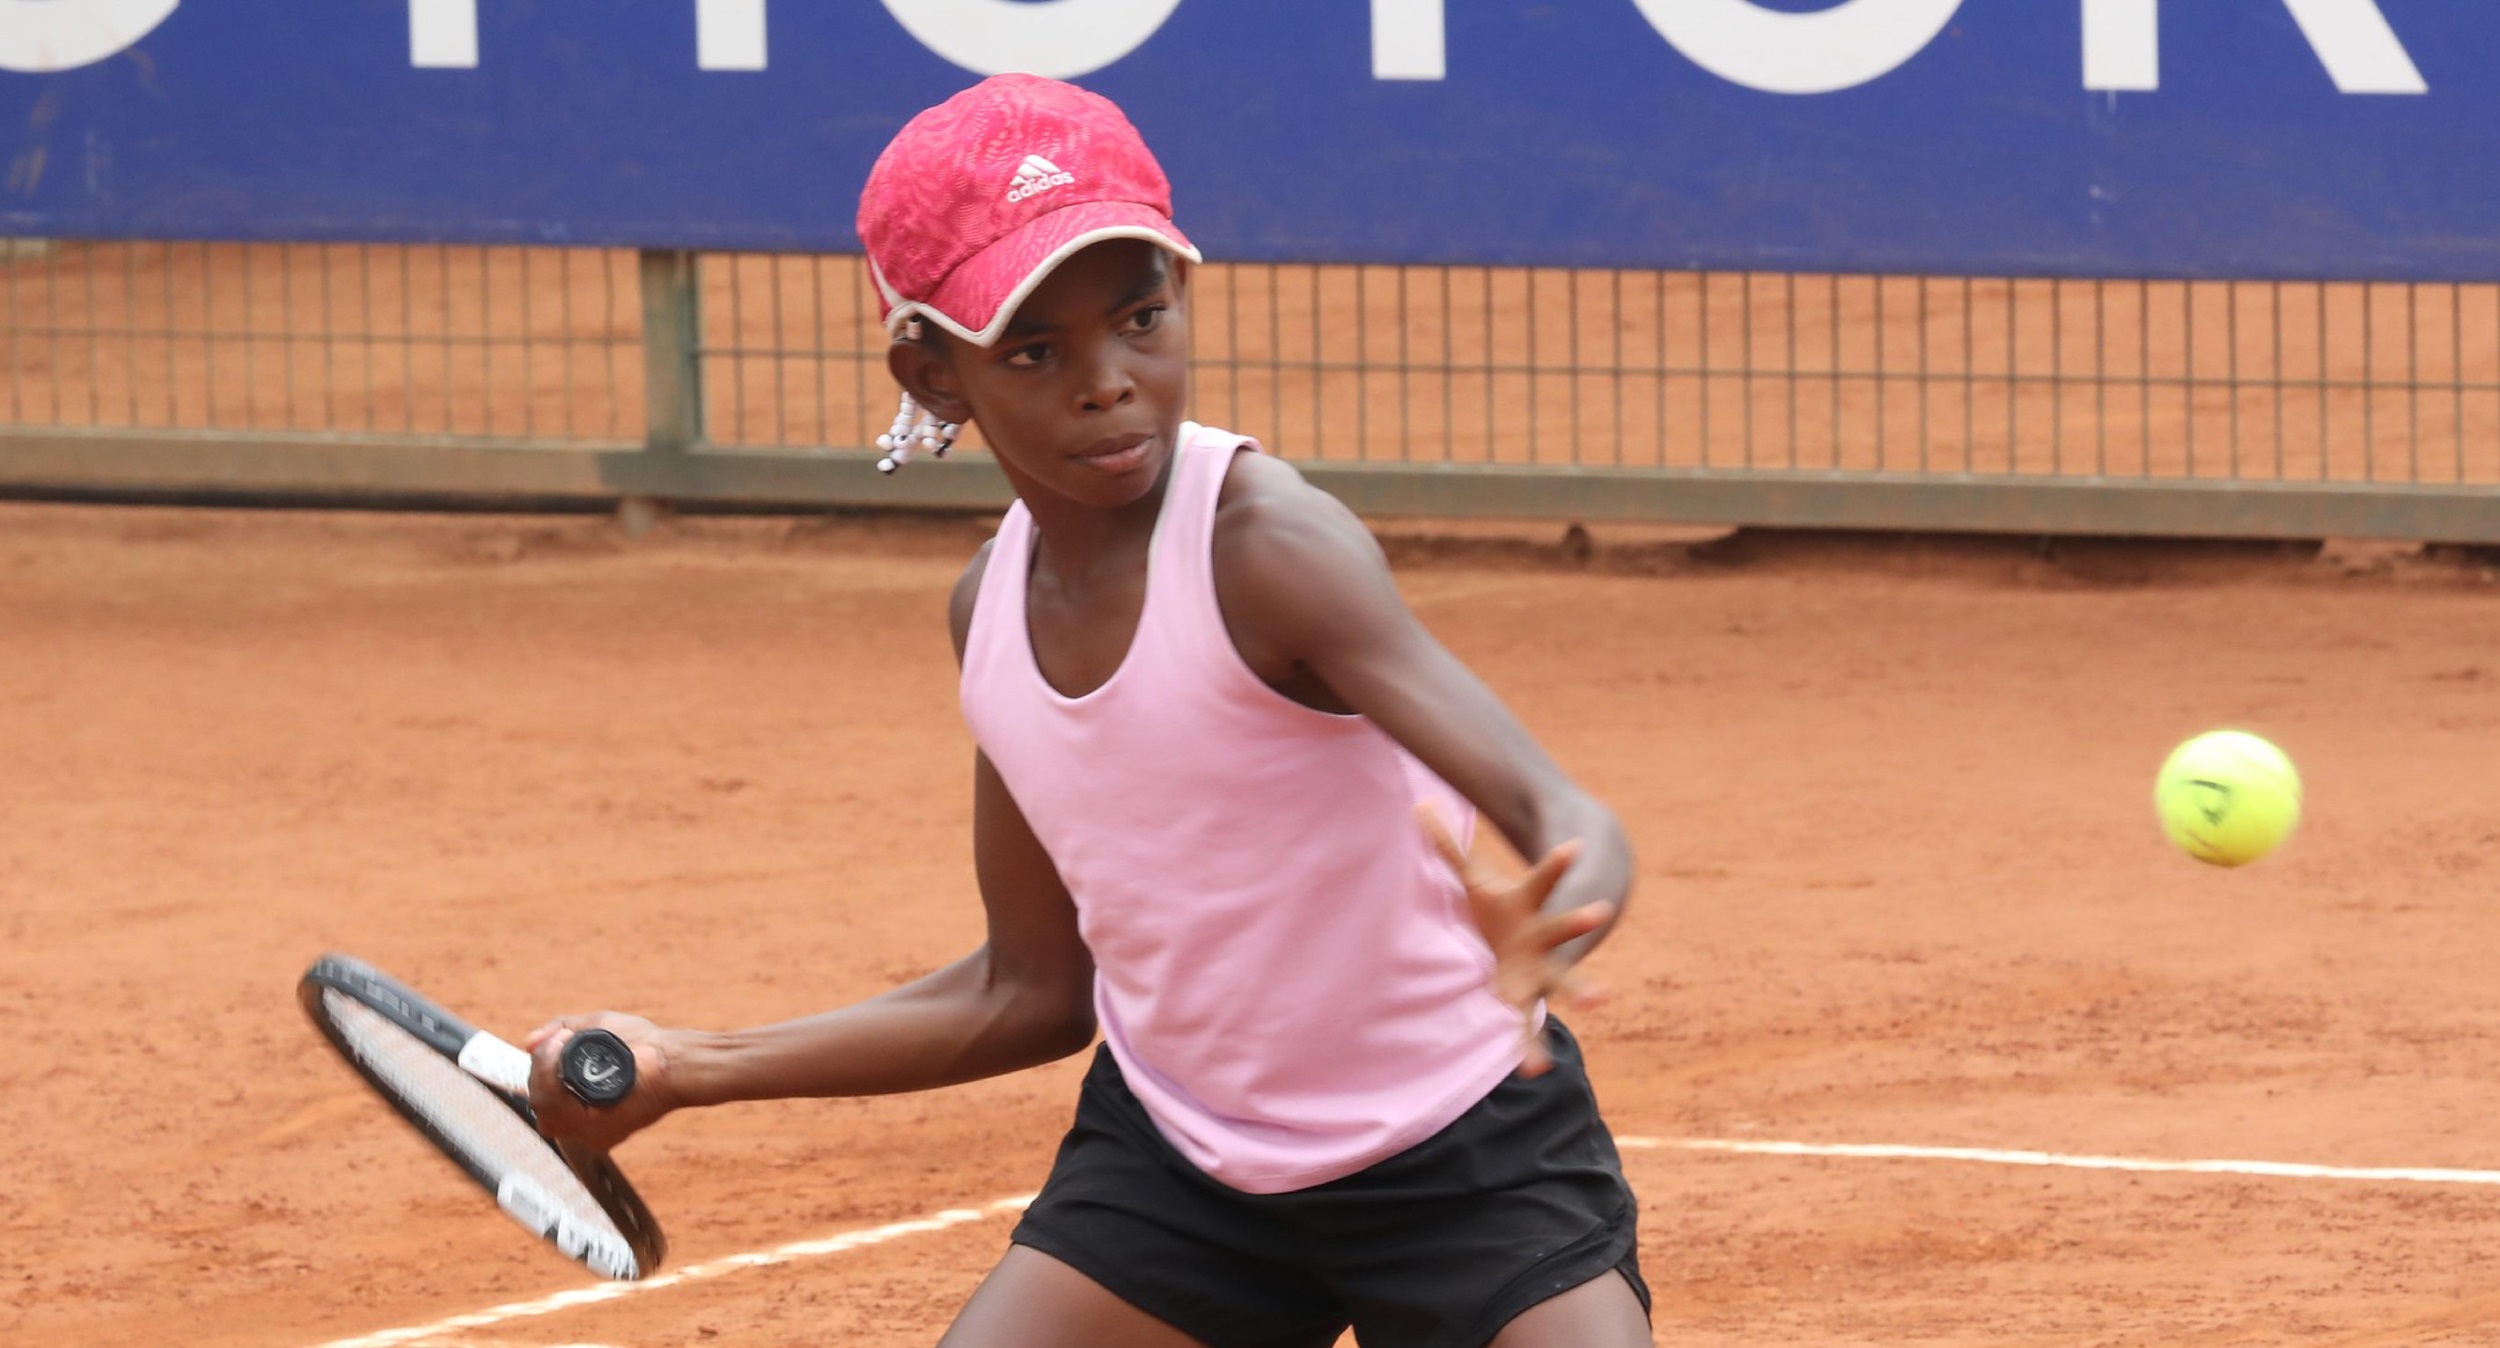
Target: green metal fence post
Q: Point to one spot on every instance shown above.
(672, 333)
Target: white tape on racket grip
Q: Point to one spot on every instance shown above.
(496, 1063)
(532, 1206)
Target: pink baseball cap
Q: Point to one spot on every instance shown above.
(977, 199)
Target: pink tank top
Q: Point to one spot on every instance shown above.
(1285, 972)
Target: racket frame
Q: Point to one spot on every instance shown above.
(500, 1066)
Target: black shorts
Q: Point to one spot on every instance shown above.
(1439, 1246)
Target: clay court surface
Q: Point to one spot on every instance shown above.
(1900, 884)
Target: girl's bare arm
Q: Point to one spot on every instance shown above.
(1308, 599)
(1024, 997)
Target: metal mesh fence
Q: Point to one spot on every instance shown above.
(531, 343)
(1769, 372)
(2260, 381)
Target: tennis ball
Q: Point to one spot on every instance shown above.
(2227, 797)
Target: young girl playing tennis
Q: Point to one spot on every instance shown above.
(1327, 1095)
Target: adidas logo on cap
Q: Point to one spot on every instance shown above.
(1035, 176)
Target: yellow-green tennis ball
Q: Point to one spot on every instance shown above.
(2227, 797)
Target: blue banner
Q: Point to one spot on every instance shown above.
(2252, 138)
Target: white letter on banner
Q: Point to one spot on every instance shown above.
(2358, 49)
(1407, 40)
(1782, 53)
(40, 36)
(442, 34)
(2122, 44)
(1059, 38)
(729, 34)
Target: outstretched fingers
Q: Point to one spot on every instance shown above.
(1538, 884)
(1553, 930)
(1530, 970)
(1526, 940)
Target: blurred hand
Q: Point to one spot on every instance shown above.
(1528, 963)
(563, 1117)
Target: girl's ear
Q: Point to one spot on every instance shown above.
(929, 377)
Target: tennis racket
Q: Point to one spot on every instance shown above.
(468, 1093)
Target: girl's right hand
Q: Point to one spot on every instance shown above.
(562, 1116)
(1530, 966)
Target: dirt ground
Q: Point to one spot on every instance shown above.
(1899, 884)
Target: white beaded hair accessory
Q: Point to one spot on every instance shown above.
(914, 429)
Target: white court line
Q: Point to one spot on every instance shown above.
(612, 1291)
(1992, 1156)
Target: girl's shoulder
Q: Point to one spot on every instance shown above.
(1284, 550)
(1266, 493)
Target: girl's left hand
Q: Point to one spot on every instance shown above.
(1528, 965)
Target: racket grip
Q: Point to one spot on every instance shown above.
(596, 1067)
